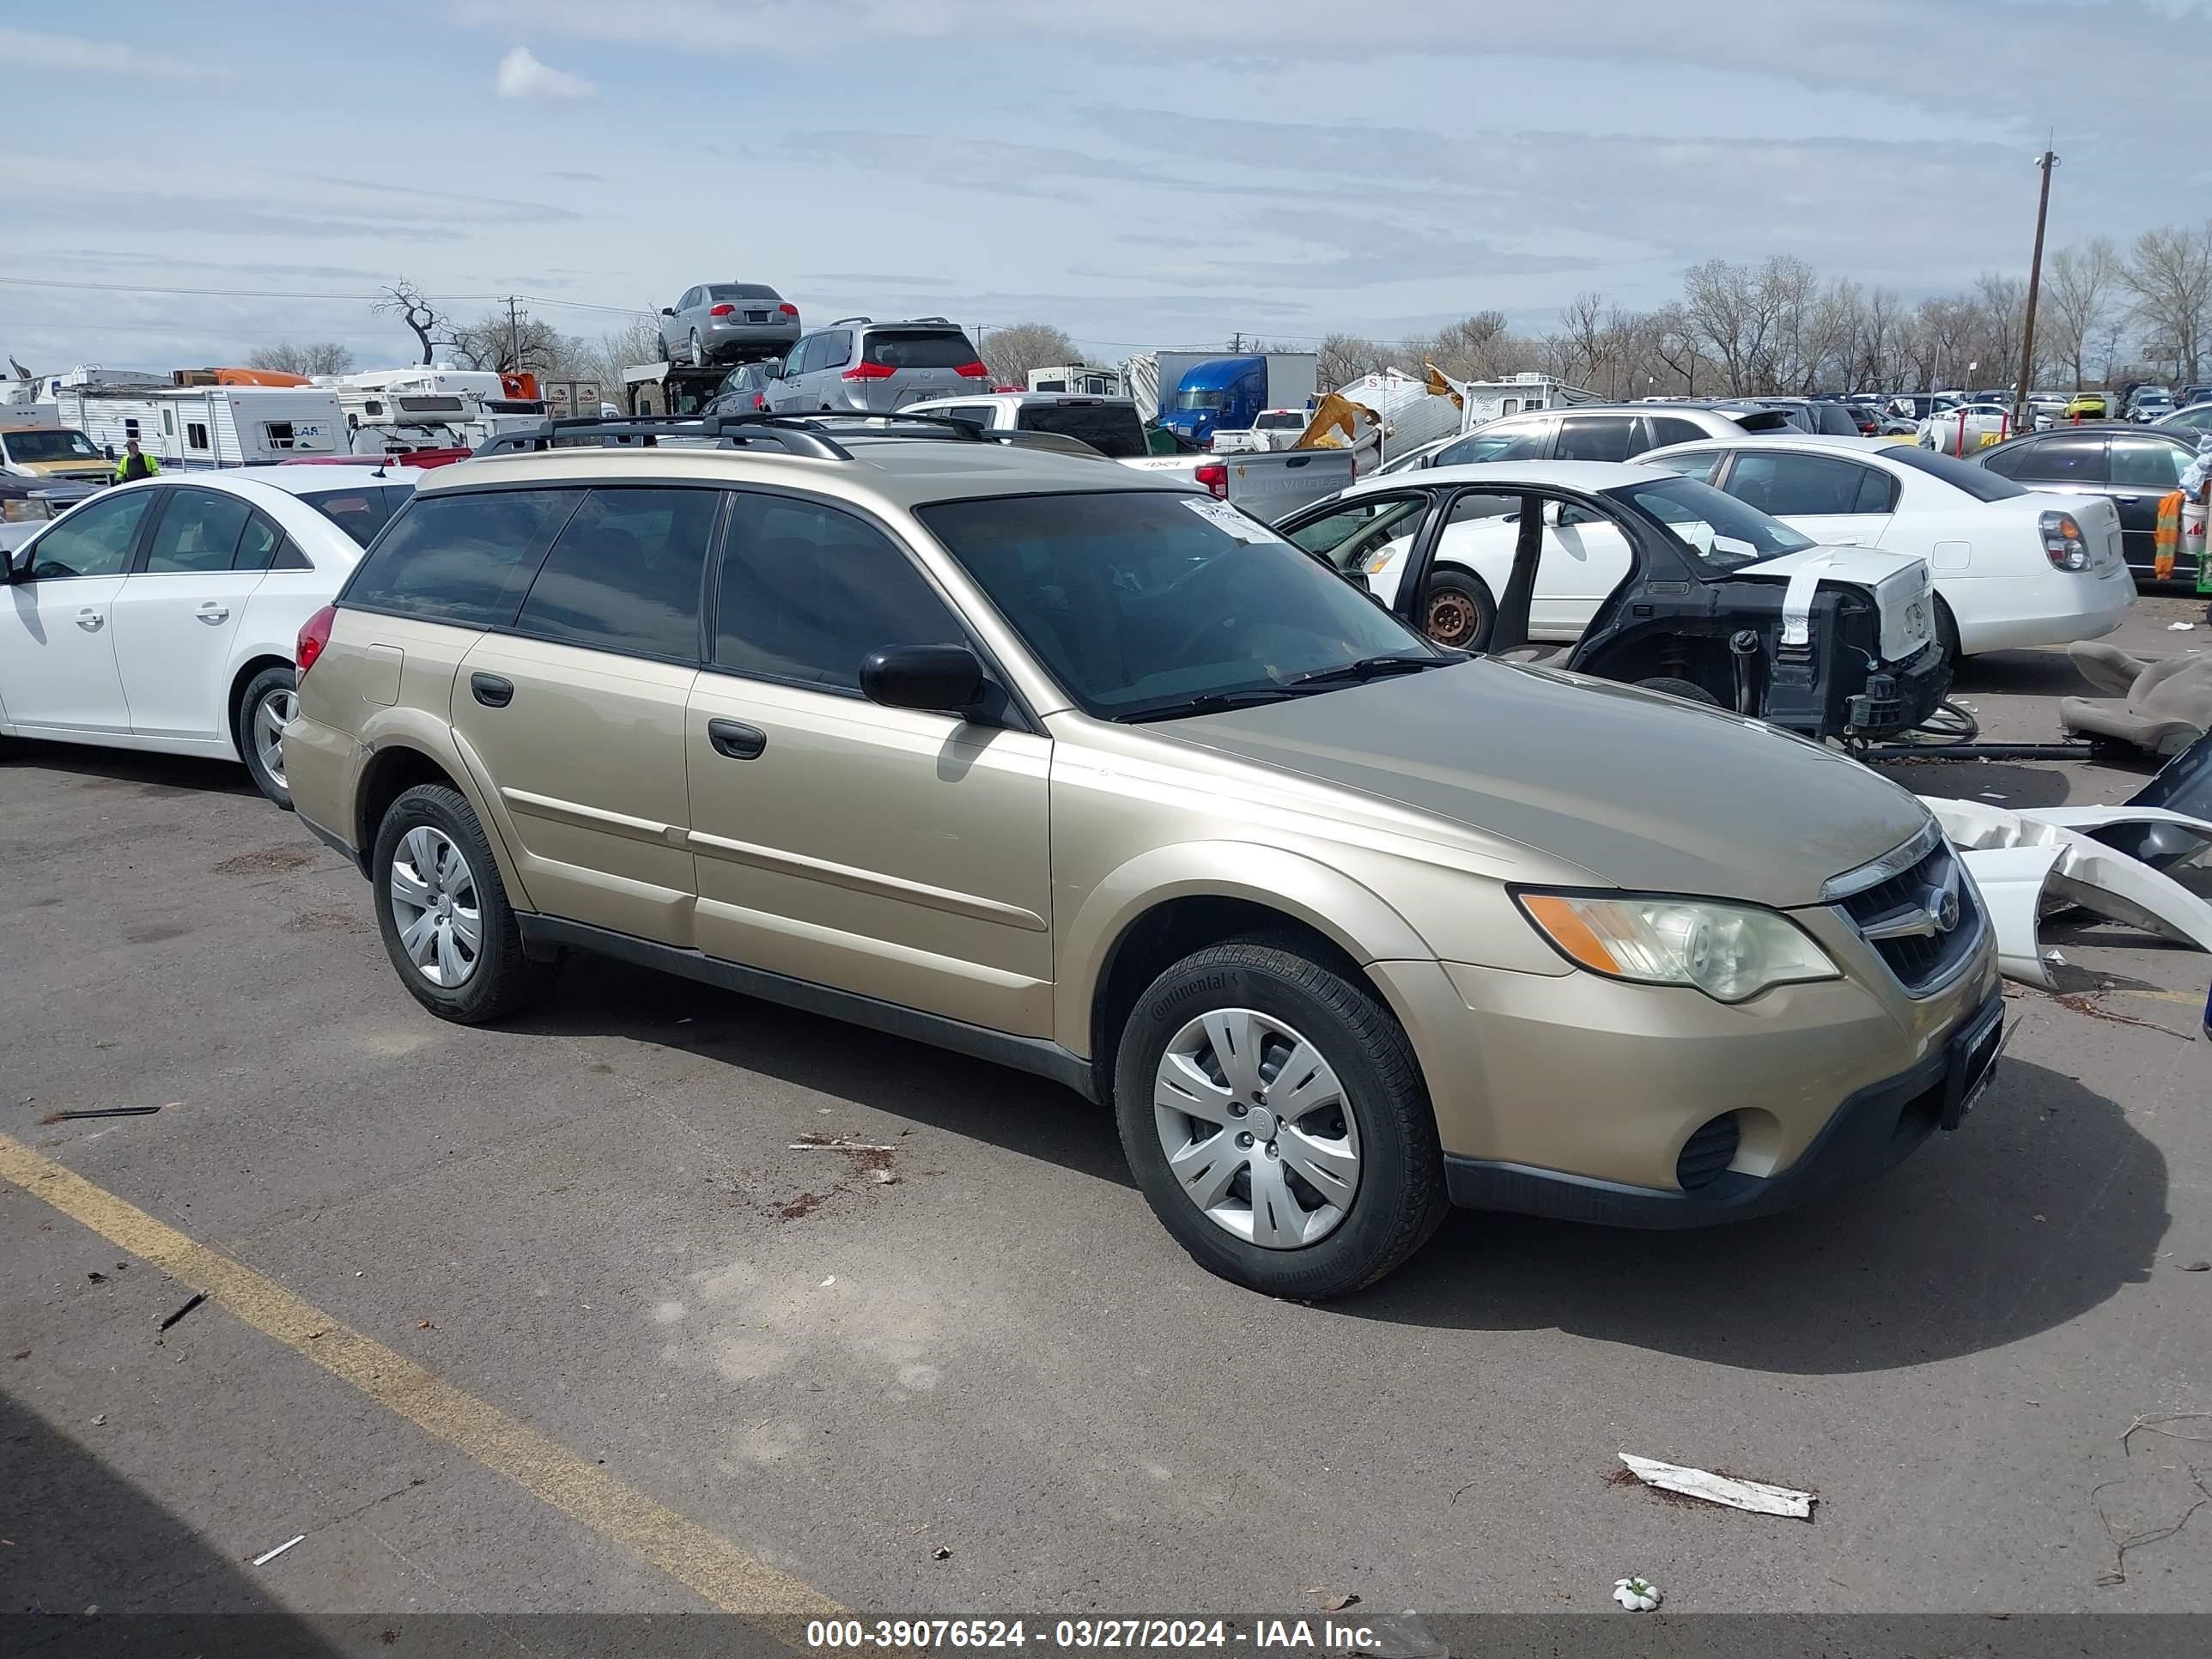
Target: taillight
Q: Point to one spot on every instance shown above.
(787, 310)
(759, 402)
(2063, 544)
(974, 371)
(868, 372)
(721, 311)
(1214, 474)
(314, 635)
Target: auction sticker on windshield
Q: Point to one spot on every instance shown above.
(1223, 516)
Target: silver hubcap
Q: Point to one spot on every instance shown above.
(434, 905)
(270, 716)
(1257, 1128)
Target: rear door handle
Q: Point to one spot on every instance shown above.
(736, 739)
(209, 611)
(491, 690)
(90, 620)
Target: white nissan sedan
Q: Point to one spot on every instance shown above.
(2012, 566)
(162, 614)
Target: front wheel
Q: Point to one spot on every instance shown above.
(1274, 1116)
(1687, 691)
(444, 914)
(267, 705)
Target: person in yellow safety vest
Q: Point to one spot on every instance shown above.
(134, 464)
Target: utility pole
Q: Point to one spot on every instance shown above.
(1237, 344)
(2044, 163)
(514, 335)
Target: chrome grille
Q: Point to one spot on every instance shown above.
(1900, 908)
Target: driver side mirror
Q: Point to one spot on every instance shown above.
(1554, 514)
(934, 680)
(668, 311)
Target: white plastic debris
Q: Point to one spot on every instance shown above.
(1753, 1495)
(2179, 627)
(827, 1283)
(1636, 1594)
(267, 1556)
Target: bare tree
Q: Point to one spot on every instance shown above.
(1345, 358)
(518, 345)
(319, 357)
(2168, 276)
(1674, 343)
(2077, 295)
(405, 301)
(2002, 302)
(640, 342)
(1012, 351)
(1477, 347)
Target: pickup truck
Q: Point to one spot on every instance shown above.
(1268, 486)
(1275, 428)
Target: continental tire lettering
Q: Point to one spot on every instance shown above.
(1168, 1002)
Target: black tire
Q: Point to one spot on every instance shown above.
(264, 688)
(1947, 633)
(502, 980)
(1687, 691)
(1461, 599)
(1399, 1197)
(698, 351)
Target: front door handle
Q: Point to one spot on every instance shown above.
(491, 690)
(736, 739)
(90, 620)
(209, 611)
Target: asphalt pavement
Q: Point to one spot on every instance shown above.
(558, 1316)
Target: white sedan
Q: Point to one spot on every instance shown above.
(162, 614)
(1965, 428)
(2013, 567)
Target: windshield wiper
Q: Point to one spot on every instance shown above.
(1369, 668)
(1211, 703)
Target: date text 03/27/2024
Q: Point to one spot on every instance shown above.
(1292, 1635)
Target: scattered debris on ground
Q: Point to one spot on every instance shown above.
(2155, 1422)
(268, 860)
(267, 1556)
(1756, 1495)
(197, 1297)
(870, 1163)
(2134, 1541)
(2198, 1268)
(1637, 1594)
(940, 1553)
(1339, 1603)
(105, 1111)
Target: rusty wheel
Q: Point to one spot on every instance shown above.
(1459, 612)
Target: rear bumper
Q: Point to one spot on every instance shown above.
(1872, 1130)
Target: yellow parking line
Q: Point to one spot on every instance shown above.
(721, 1572)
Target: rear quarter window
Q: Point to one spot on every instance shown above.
(461, 558)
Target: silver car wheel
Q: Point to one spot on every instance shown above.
(434, 907)
(270, 716)
(1257, 1128)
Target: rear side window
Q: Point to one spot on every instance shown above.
(1673, 429)
(1698, 464)
(918, 348)
(808, 593)
(1112, 429)
(2072, 458)
(360, 513)
(1596, 437)
(624, 574)
(1523, 442)
(1787, 485)
(2146, 464)
(463, 559)
(198, 530)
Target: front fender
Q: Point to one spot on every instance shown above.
(1325, 899)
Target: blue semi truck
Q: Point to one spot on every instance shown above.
(1227, 394)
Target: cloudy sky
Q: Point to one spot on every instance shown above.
(1138, 172)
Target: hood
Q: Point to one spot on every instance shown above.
(1644, 791)
(1901, 583)
(79, 469)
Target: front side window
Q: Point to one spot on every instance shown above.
(1722, 531)
(1786, 485)
(1350, 537)
(198, 530)
(809, 592)
(1699, 464)
(1596, 437)
(624, 574)
(2074, 459)
(93, 541)
(2147, 463)
(458, 558)
(1146, 604)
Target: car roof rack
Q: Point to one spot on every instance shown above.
(842, 321)
(809, 435)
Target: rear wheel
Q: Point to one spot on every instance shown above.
(1458, 610)
(444, 914)
(698, 351)
(1274, 1116)
(267, 705)
(1687, 691)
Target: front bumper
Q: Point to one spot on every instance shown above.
(1917, 689)
(1876, 1128)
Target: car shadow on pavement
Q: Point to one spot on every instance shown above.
(82, 1537)
(911, 1080)
(2040, 1207)
(155, 775)
(2008, 784)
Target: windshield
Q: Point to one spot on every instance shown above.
(1976, 480)
(1199, 398)
(1144, 603)
(1722, 531)
(43, 445)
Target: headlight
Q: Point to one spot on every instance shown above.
(1380, 558)
(2063, 544)
(23, 511)
(1729, 952)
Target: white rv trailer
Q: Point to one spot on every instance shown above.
(208, 426)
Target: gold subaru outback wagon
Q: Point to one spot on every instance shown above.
(1066, 765)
